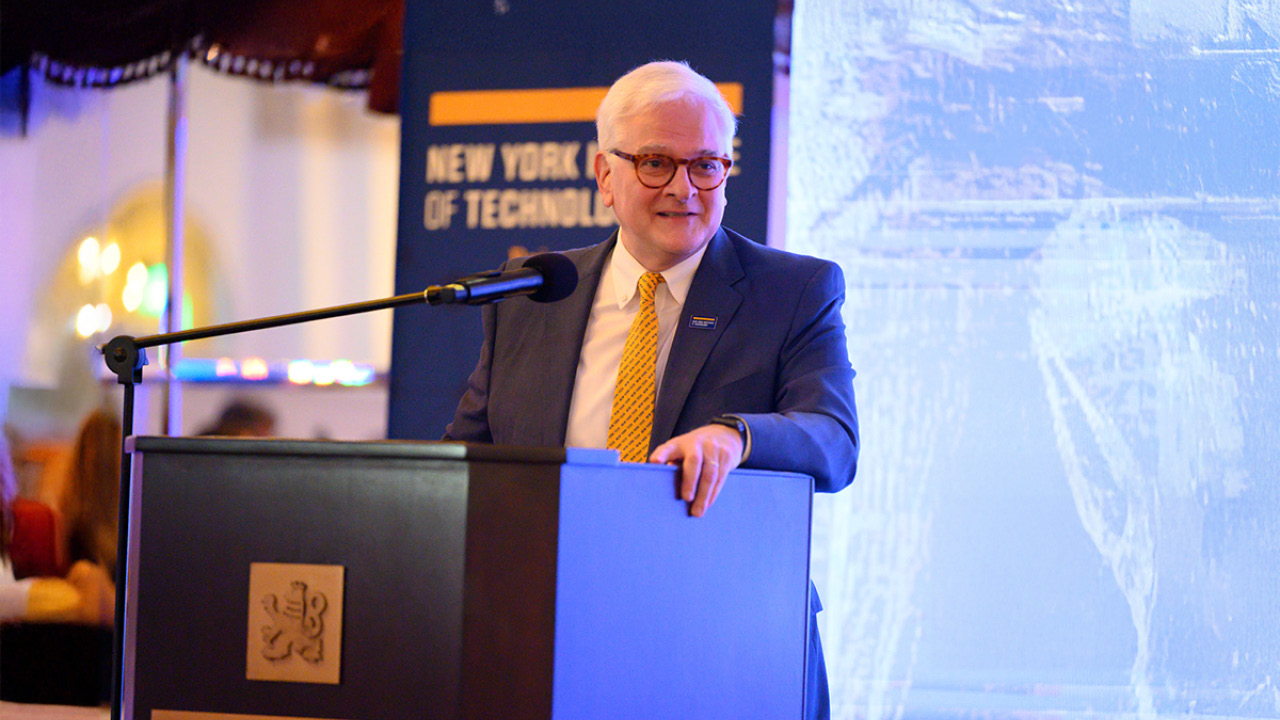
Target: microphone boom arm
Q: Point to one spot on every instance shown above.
(546, 278)
(125, 354)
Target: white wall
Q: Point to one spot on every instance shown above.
(296, 186)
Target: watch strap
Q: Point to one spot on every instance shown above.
(737, 423)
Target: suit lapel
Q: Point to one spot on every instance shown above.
(564, 325)
(711, 295)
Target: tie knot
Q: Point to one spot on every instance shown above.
(648, 285)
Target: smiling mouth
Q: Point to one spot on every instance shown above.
(676, 214)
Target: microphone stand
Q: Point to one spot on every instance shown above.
(126, 355)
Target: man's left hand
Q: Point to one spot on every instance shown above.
(705, 457)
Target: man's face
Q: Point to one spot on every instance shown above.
(662, 226)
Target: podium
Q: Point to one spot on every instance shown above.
(387, 580)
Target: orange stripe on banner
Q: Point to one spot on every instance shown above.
(542, 105)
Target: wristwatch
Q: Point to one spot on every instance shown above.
(737, 423)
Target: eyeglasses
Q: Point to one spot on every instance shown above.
(655, 171)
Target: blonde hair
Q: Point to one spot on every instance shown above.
(658, 83)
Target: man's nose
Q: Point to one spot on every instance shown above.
(680, 187)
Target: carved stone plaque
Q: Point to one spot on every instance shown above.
(295, 623)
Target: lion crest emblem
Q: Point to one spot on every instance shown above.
(297, 627)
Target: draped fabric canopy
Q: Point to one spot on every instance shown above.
(101, 43)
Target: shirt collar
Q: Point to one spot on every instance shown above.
(626, 272)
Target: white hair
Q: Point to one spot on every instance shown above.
(658, 83)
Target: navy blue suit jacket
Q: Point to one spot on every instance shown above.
(760, 336)
(768, 345)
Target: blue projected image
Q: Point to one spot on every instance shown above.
(1059, 225)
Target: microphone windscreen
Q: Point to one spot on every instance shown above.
(559, 276)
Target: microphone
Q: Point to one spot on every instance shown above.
(543, 278)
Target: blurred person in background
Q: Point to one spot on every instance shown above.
(90, 502)
(241, 418)
(31, 588)
(30, 539)
(8, 493)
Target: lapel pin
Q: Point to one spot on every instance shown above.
(702, 323)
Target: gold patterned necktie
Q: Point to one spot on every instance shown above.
(631, 419)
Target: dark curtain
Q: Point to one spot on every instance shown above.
(353, 44)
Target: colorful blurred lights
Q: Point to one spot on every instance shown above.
(342, 371)
(254, 369)
(134, 287)
(86, 321)
(351, 374)
(323, 374)
(103, 313)
(93, 319)
(110, 259)
(88, 253)
(297, 372)
(301, 372)
(155, 295)
(89, 257)
(225, 367)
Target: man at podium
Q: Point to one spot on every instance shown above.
(684, 342)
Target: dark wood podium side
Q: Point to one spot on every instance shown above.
(476, 582)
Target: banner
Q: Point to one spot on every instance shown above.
(498, 143)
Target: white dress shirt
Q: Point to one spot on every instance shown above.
(615, 306)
